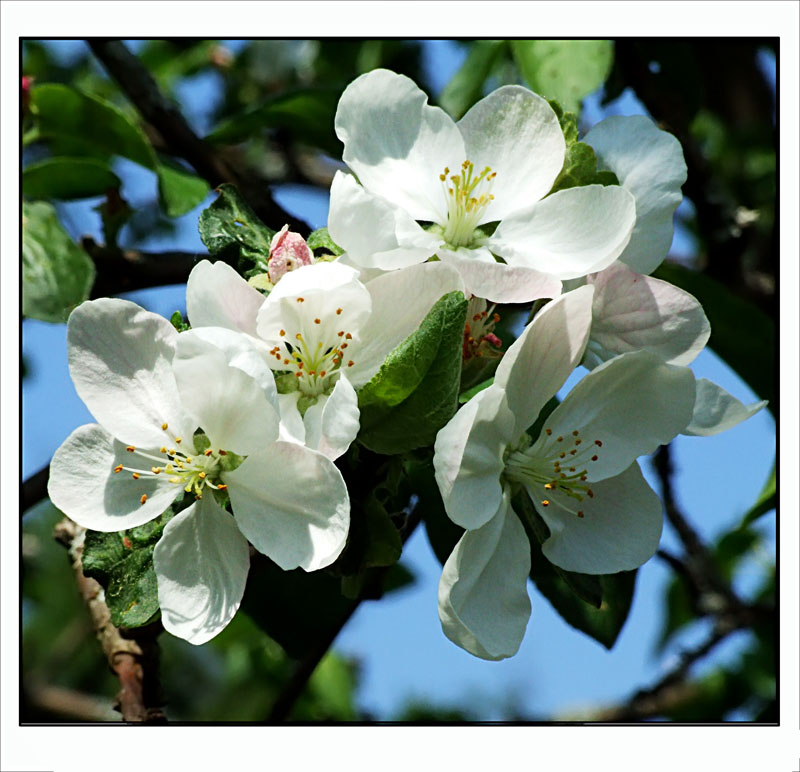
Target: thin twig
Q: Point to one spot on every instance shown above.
(34, 489)
(133, 659)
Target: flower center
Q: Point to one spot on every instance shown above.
(195, 466)
(467, 196)
(316, 354)
(558, 472)
(479, 337)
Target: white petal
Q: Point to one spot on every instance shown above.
(483, 597)
(648, 162)
(468, 458)
(374, 232)
(631, 404)
(292, 428)
(292, 504)
(717, 411)
(569, 234)
(332, 424)
(84, 486)
(398, 144)
(517, 134)
(536, 365)
(400, 301)
(620, 528)
(499, 282)
(230, 406)
(120, 359)
(201, 564)
(216, 296)
(632, 312)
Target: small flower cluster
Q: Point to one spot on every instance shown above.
(248, 410)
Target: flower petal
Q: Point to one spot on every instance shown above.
(292, 504)
(483, 597)
(570, 233)
(229, 405)
(468, 458)
(631, 405)
(292, 428)
(632, 312)
(620, 528)
(715, 410)
(536, 365)
(517, 134)
(216, 296)
(498, 282)
(649, 163)
(332, 423)
(373, 232)
(120, 359)
(84, 486)
(400, 301)
(398, 144)
(201, 564)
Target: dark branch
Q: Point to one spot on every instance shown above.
(34, 489)
(179, 139)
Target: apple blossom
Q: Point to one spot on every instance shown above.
(497, 164)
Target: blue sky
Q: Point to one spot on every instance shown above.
(399, 641)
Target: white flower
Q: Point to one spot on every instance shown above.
(416, 165)
(151, 390)
(580, 472)
(649, 163)
(322, 330)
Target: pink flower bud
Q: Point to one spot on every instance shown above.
(27, 82)
(287, 252)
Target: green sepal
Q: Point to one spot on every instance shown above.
(178, 322)
(320, 241)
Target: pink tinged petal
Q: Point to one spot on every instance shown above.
(201, 564)
(498, 282)
(332, 423)
(373, 232)
(216, 296)
(517, 134)
(414, 290)
(229, 405)
(630, 405)
(483, 598)
(396, 143)
(84, 486)
(120, 359)
(632, 312)
(570, 233)
(649, 163)
(292, 504)
(468, 458)
(717, 411)
(536, 365)
(287, 251)
(619, 529)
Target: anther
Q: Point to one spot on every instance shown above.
(559, 439)
(594, 458)
(316, 321)
(350, 363)
(590, 493)
(164, 426)
(117, 469)
(549, 486)
(223, 452)
(163, 449)
(575, 433)
(135, 475)
(156, 469)
(202, 475)
(208, 452)
(338, 311)
(179, 440)
(545, 503)
(580, 513)
(222, 487)
(548, 432)
(300, 300)
(282, 333)
(348, 336)
(130, 448)
(562, 455)
(143, 499)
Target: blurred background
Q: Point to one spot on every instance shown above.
(265, 111)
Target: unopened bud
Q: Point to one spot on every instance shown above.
(287, 252)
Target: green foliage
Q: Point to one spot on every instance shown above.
(415, 392)
(68, 178)
(123, 563)
(178, 322)
(57, 274)
(466, 86)
(98, 129)
(767, 501)
(233, 232)
(566, 70)
(319, 241)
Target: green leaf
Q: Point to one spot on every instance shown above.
(320, 240)
(567, 70)
(307, 113)
(68, 178)
(743, 335)
(91, 125)
(233, 231)
(466, 86)
(467, 395)
(57, 274)
(123, 563)
(767, 500)
(415, 393)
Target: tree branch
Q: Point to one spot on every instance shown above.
(179, 139)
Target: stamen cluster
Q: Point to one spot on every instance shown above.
(465, 202)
